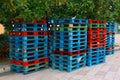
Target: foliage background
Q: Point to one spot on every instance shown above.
(33, 9)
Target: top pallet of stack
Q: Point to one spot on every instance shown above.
(96, 23)
(72, 21)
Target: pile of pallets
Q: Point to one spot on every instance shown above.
(28, 47)
(96, 42)
(50, 44)
(64, 44)
(110, 37)
(69, 41)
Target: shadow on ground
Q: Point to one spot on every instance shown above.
(7, 73)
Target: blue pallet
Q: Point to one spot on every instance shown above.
(28, 50)
(93, 63)
(68, 69)
(70, 49)
(29, 27)
(35, 51)
(97, 54)
(72, 21)
(51, 21)
(71, 33)
(111, 24)
(66, 38)
(110, 30)
(68, 60)
(32, 40)
(102, 48)
(110, 45)
(28, 69)
(68, 63)
(24, 47)
(26, 57)
(110, 41)
(28, 43)
(109, 52)
(72, 44)
(66, 57)
(28, 38)
(95, 57)
(69, 45)
(110, 36)
(96, 49)
(73, 37)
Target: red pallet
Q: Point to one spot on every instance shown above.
(102, 32)
(110, 33)
(29, 63)
(96, 34)
(40, 21)
(97, 30)
(68, 53)
(43, 33)
(102, 29)
(110, 48)
(103, 38)
(29, 33)
(97, 44)
(49, 32)
(93, 36)
(102, 21)
(93, 32)
(93, 41)
(13, 33)
(102, 41)
(97, 21)
(93, 46)
(102, 45)
(21, 20)
(98, 40)
(93, 29)
(93, 21)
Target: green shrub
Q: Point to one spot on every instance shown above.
(4, 45)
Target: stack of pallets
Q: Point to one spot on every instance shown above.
(96, 42)
(69, 44)
(50, 43)
(110, 37)
(28, 47)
